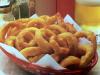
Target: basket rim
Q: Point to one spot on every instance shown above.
(30, 65)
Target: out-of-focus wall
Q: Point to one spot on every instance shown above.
(66, 7)
(45, 7)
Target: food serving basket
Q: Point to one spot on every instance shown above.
(33, 68)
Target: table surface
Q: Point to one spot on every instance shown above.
(10, 68)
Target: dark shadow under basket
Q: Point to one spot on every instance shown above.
(33, 68)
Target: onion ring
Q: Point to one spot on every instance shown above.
(87, 57)
(26, 38)
(42, 42)
(90, 36)
(32, 51)
(70, 60)
(88, 49)
(35, 58)
(56, 47)
(38, 23)
(56, 29)
(71, 41)
(47, 33)
(10, 40)
(12, 29)
(70, 28)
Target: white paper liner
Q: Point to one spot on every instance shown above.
(13, 51)
(47, 60)
(34, 16)
(77, 27)
(71, 21)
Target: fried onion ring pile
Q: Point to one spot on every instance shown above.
(50, 35)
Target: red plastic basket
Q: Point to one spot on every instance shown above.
(33, 68)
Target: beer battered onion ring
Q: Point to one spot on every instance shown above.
(70, 60)
(87, 57)
(89, 49)
(57, 48)
(24, 20)
(50, 20)
(42, 42)
(90, 36)
(59, 52)
(70, 28)
(56, 29)
(38, 23)
(32, 51)
(71, 41)
(26, 38)
(10, 40)
(63, 45)
(12, 29)
(35, 58)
